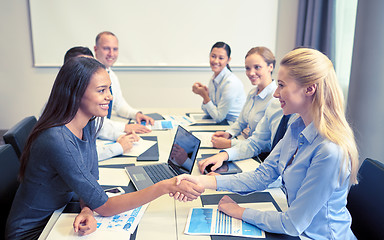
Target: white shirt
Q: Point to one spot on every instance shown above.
(111, 129)
(119, 105)
(253, 111)
(108, 151)
(262, 138)
(227, 96)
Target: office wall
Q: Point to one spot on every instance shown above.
(365, 99)
(24, 89)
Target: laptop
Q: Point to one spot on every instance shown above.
(181, 160)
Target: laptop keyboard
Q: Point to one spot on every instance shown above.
(158, 172)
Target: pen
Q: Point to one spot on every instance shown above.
(187, 119)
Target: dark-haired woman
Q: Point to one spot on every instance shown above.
(259, 65)
(60, 157)
(224, 97)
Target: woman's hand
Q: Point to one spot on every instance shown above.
(186, 190)
(217, 161)
(204, 182)
(126, 141)
(85, 223)
(137, 128)
(230, 207)
(201, 90)
(220, 142)
(222, 135)
(141, 117)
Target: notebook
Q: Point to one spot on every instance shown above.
(181, 160)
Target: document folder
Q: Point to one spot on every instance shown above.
(155, 116)
(152, 154)
(209, 123)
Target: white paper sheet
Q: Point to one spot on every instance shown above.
(120, 226)
(205, 138)
(139, 147)
(113, 176)
(123, 222)
(179, 120)
(162, 125)
(200, 118)
(63, 229)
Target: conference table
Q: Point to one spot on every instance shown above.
(166, 218)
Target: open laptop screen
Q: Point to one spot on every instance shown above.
(184, 151)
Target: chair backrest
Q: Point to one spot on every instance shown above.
(9, 169)
(365, 201)
(18, 134)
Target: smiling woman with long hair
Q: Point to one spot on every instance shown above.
(317, 158)
(60, 157)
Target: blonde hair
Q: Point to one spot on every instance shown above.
(265, 53)
(307, 67)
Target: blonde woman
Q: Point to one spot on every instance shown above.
(317, 158)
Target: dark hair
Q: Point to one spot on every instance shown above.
(64, 100)
(226, 47)
(102, 33)
(77, 51)
(265, 53)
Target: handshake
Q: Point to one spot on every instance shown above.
(187, 187)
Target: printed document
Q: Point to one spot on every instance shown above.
(162, 125)
(210, 221)
(170, 122)
(125, 222)
(120, 226)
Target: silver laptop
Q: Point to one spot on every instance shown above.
(181, 160)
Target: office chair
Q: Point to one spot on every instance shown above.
(365, 201)
(8, 182)
(18, 134)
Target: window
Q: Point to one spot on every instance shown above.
(345, 31)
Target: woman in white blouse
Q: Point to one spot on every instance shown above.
(259, 64)
(224, 97)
